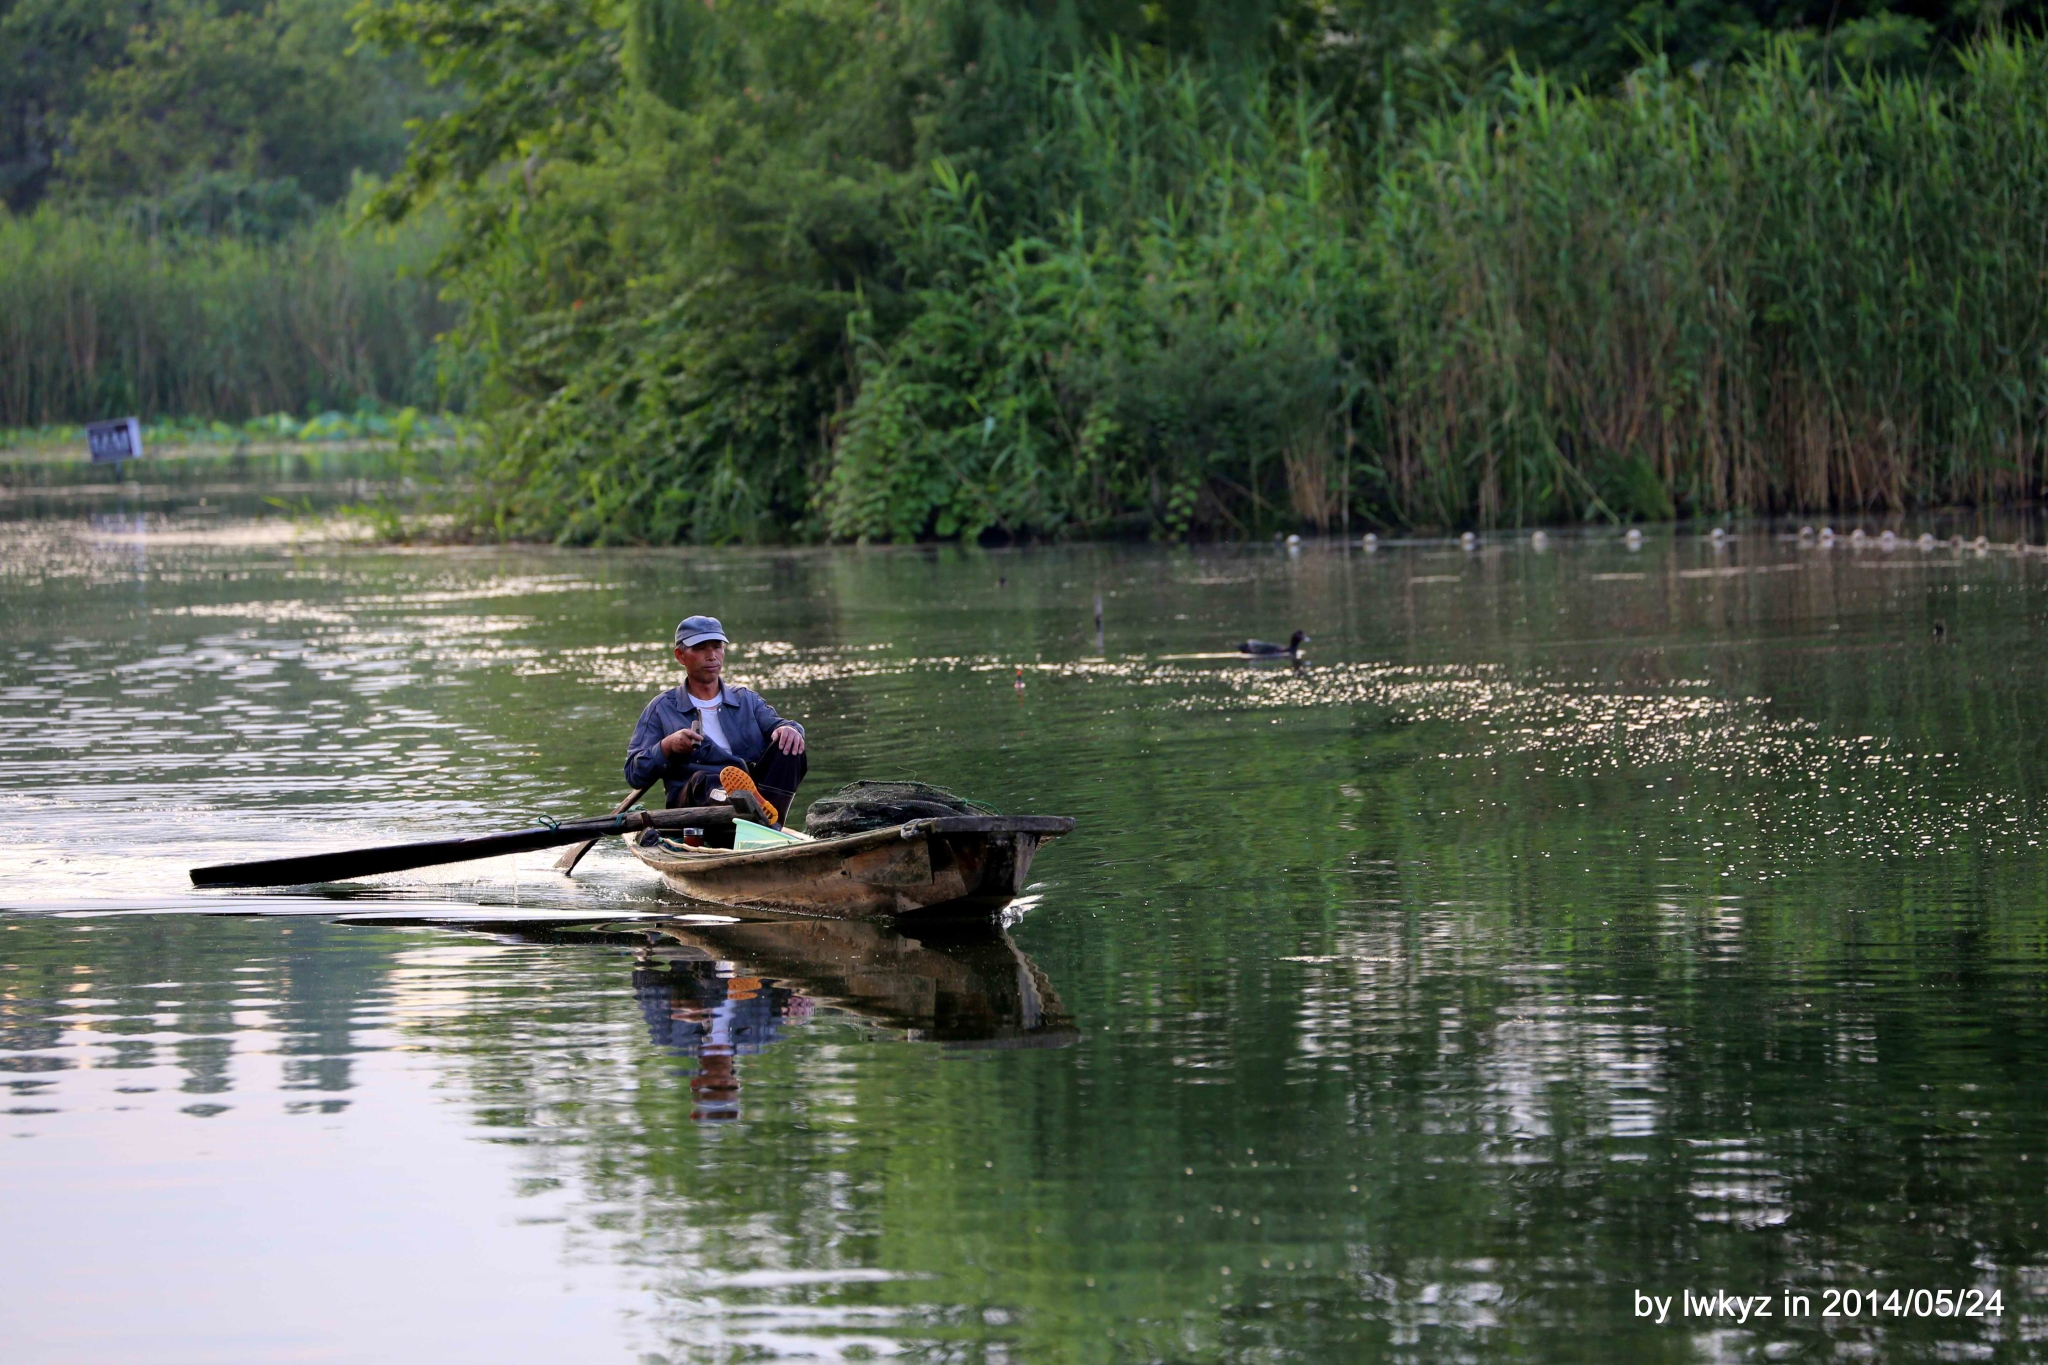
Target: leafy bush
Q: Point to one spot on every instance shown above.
(1174, 352)
(664, 306)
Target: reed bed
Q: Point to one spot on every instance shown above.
(1786, 289)
(1781, 287)
(99, 321)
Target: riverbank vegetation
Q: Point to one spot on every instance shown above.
(955, 268)
(175, 178)
(938, 270)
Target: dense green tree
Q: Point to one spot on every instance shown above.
(661, 267)
(189, 100)
(174, 181)
(253, 94)
(48, 51)
(537, 79)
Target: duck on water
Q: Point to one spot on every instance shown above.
(1267, 649)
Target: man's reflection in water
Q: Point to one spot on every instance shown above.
(721, 990)
(702, 1008)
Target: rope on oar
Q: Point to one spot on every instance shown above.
(566, 864)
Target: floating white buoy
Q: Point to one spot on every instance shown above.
(1634, 539)
(1539, 540)
(1371, 542)
(1468, 540)
(1926, 540)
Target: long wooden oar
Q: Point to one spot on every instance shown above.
(368, 862)
(566, 864)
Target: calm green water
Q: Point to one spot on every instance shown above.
(1575, 923)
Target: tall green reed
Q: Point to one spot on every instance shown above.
(1791, 289)
(97, 320)
(1782, 287)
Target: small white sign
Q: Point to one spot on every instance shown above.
(114, 441)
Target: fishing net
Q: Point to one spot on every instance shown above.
(875, 805)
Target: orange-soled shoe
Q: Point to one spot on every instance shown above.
(735, 779)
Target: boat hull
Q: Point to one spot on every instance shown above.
(966, 867)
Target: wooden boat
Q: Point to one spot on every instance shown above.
(955, 866)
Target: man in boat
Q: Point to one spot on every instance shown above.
(709, 733)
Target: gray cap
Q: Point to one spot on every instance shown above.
(695, 630)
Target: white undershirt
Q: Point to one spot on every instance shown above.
(710, 722)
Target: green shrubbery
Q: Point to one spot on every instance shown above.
(903, 272)
(1784, 288)
(1174, 338)
(895, 269)
(823, 269)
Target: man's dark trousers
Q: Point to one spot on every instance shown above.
(776, 773)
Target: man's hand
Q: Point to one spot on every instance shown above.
(787, 738)
(680, 742)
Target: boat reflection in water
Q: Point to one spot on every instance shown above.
(721, 991)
